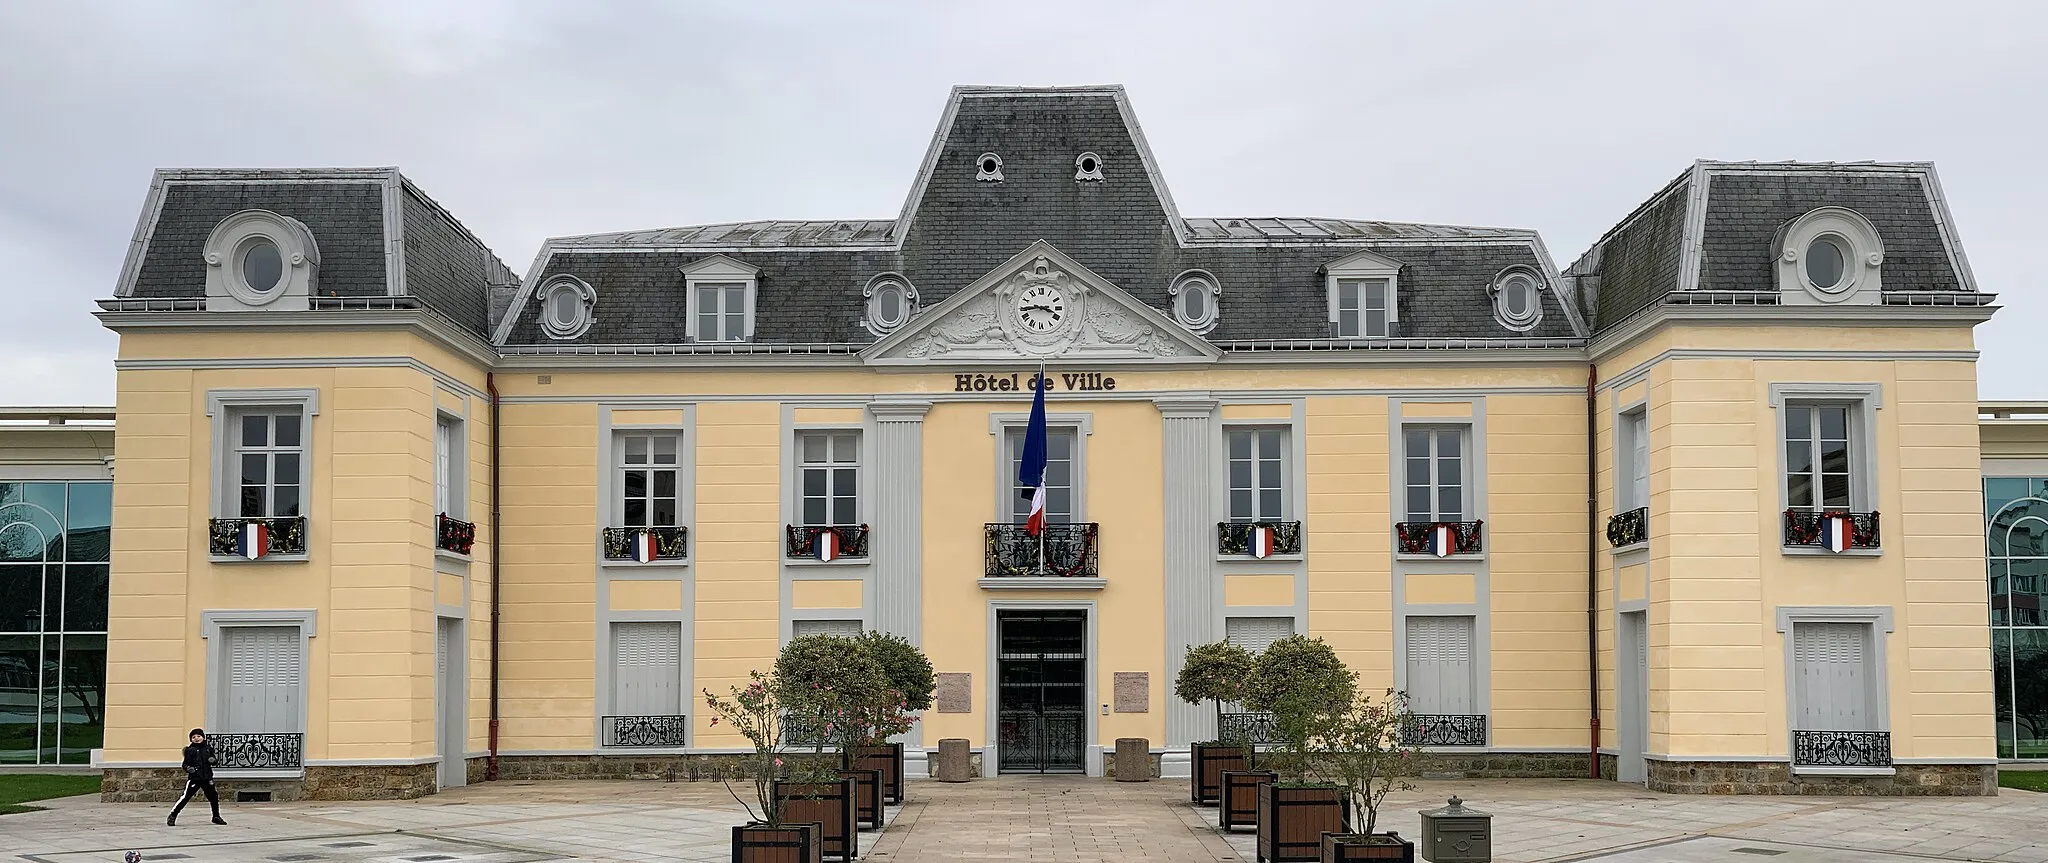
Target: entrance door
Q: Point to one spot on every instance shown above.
(450, 739)
(1632, 701)
(1042, 691)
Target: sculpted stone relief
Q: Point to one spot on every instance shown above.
(1043, 311)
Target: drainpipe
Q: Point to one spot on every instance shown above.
(1592, 571)
(491, 387)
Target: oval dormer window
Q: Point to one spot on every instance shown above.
(988, 168)
(1194, 297)
(262, 265)
(1826, 261)
(891, 301)
(1516, 304)
(567, 307)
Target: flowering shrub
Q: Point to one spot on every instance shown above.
(1362, 749)
(757, 714)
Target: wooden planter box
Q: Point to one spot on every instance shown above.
(1239, 806)
(1345, 847)
(828, 804)
(1210, 760)
(888, 758)
(1293, 819)
(867, 796)
(789, 843)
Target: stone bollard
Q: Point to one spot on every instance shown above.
(953, 765)
(1133, 759)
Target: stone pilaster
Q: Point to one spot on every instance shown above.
(1189, 427)
(896, 545)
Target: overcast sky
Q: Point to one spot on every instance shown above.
(528, 120)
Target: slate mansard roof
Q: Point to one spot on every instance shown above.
(955, 228)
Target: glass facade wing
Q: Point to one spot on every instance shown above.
(53, 620)
(2016, 560)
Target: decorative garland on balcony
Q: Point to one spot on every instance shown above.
(454, 534)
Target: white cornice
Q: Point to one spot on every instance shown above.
(418, 321)
(1652, 318)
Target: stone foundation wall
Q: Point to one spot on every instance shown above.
(1502, 765)
(671, 768)
(1776, 778)
(367, 782)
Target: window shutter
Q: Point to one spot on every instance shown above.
(264, 669)
(1639, 460)
(1440, 666)
(841, 628)
(1831, 664)
(649, 669)
(444, 445)
(1256, 633)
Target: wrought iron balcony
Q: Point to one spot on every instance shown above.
(1061, 551)
(1629, 528)
(285, 534)
(1427, 729)
(1423, 537)
(646, 730)
(1235, 537)
(802, 540)
(670, 543)
(454, 534)
(1841, 749)
(258, 751)
(1245, 729)
(1804, 527)
(803, 730)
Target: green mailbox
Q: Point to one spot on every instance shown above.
(1455, 834)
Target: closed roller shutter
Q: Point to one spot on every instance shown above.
(649, 660)
(1440, 666)
(1831, 664)
(264, 674)
(841, 628)
(1256, 633)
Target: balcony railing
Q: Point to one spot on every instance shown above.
(825, 543)
(1243, 537)
(1841, 749)
(1428, 729)
(1245, 729)
(803, 730)
(1629, 528)
(232, 537)
(1440, 538)
(258, 751)
(454, 534)
(1835, 530)
(646, 730)
(1060, 551)
(663, 543)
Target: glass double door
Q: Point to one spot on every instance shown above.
(1042, 691)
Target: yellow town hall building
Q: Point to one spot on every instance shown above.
(1701, 510)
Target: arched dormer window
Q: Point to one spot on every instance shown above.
(1830, 256)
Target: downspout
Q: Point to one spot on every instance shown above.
(491, 387)
(1592, 570)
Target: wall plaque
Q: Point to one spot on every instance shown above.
(955, 692)
(1132, 692)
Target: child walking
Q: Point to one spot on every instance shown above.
(198, 777)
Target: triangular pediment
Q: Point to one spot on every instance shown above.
(1041, 305)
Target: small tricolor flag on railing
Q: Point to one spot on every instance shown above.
(1835, 532)
(825, 545)
(643, 547)
(253, 540)
(1443, 539)
(1261, 541)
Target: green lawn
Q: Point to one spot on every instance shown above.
(18, 788)
(2025, 780)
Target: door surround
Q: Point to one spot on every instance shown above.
(1091, 751)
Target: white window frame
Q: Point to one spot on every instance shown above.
(1363, 267)
(580, 320)
(1498, 291)
(798, 496)
(1864, 400)
(1862, 259)
(1879, 619)
(1632, 480)
(1200, 282)
(451, 479)
(720, 270)
(224, 408)
(1468, 510)
(619, 466)
(999, 426)
(211, 624)
(876, 288)
(1285, 457)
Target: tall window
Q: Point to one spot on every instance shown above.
(1364, 309)
(722, 312)
(1435, 473)
(1818, 465)
(2016, 555)
(1635, 479)
(1833, 677)
(1440, 668)
(446, 455)
(1257, 465)
(1059, 476)
(53, 620)
(647, 668)
(269, 450)
(647, 478)
(828, 477)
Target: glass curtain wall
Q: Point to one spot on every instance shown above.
(2016, 537)
(53, 620)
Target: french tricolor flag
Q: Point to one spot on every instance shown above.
(1031, 462)
(1261, 541)
(1443, 539)
(253, 540)
(643, 547)
(1835, 532)
(825, 545)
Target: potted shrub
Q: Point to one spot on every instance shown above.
(770, 836)
(1215, 673)
(1362, 750)
(910, 676)
(1238, 803)
(1305, 686)
(832, 686)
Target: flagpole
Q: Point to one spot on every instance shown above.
(1040, 383)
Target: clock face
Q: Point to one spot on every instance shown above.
(1041, 309)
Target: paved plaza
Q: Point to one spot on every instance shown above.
(1031, 819)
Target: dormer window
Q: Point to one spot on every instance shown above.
(719, 291)
(1087, 166)
(891, 303)
(1516, 302)
(257, 259)
(566, 307)
(1830, 256)
(988, 168)
(1194, 295)
(1363, 295)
